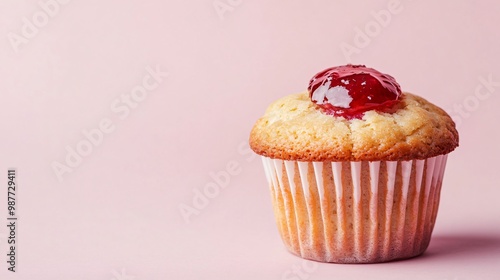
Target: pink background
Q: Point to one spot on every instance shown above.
(116, 215)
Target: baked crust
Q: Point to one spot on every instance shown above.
(294, 128)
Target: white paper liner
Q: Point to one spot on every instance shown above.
(355, 212)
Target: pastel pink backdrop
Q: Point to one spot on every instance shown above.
(117, 214)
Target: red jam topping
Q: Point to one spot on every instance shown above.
(350, 90)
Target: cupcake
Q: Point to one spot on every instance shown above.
(355, 166)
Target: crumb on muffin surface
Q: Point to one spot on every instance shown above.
(293, 128)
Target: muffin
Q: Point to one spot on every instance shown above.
(355, 166)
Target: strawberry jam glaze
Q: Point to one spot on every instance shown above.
(350, 90)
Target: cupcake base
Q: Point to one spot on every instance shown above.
(355, 212)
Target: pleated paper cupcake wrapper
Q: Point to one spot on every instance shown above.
(355, 212)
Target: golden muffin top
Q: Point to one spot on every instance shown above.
(299, 126)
